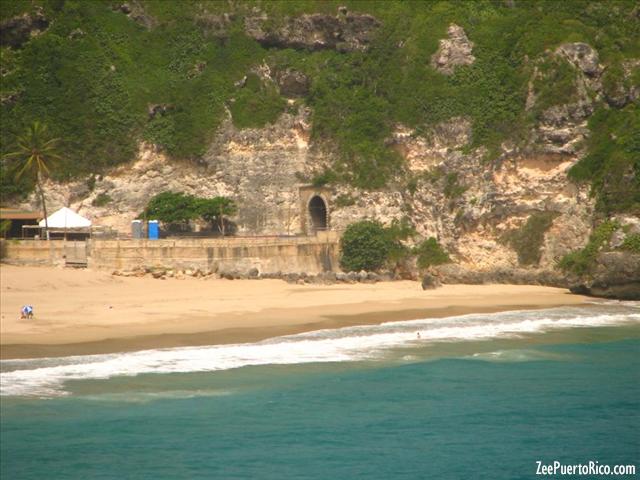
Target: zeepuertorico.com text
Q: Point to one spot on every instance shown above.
(589, 468)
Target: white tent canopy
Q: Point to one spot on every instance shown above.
(66, 218)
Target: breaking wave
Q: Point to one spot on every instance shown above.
(46, 377)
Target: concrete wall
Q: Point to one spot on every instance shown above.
(32, 252)
(269, 255)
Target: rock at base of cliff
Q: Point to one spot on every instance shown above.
(454, 273)
(430, 282)
(626, 291)
(617, 275)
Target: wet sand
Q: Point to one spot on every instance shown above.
(84, 311)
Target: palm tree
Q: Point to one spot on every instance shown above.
(37, 153)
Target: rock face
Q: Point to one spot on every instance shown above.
(467, 204)
(446, 188)
(430, 282)
(259, 168)
(562, 128)
(215, 25)
(582, 56)
(293, 83)
(345, 32)
(453, 51)
(617, 275)
(623, 91)
(16, 31)
(136, 12)
(470, 205)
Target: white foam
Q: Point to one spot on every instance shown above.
(518, 356)
(147, 397)
(46, 377)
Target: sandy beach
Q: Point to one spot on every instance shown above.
(84, 311)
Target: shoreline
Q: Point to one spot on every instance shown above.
(91, 312)
(236, 335)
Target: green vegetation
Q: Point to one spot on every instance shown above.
(368, 245)
(96, 90)
(581, 262)
(430, 253)
(452, 189)
(527, 240)
(215, 210)
(397, 232)
(256, 105)
(365, 245)
(322, 179)
(631, 243)
(36, 155)
(344, 201)
(179, 208)
(613, 163)
(101, 200)
(5, 226)
(555, 84)
(171, 207)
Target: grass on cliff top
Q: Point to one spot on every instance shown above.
(94, 91)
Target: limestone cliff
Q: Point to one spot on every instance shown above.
(476, 202)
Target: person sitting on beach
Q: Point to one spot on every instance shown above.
(26, 312)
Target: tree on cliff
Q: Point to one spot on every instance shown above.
(36, 155)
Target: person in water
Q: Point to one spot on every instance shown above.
(26, 312)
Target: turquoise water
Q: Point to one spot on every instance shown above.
(454, 404)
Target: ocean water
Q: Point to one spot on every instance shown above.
(474, 396)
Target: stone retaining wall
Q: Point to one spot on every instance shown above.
(311, 254)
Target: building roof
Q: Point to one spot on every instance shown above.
(66, 218)
(19, 214)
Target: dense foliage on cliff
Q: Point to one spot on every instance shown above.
(179, 208)
(104, 75)
(365, 245)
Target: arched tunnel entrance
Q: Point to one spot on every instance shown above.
(318, 213)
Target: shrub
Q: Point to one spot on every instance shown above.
(101, 200)
(452, 189)
(324, 178)
(256, 109)
(5, 226)
(581, 262)
(631, 243)
(527, 240)
(612, 165)
(555, 85)
(399, 230)
(430, 253)
(344, 201)
(365, 246)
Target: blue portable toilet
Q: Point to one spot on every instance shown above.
(154, 230)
